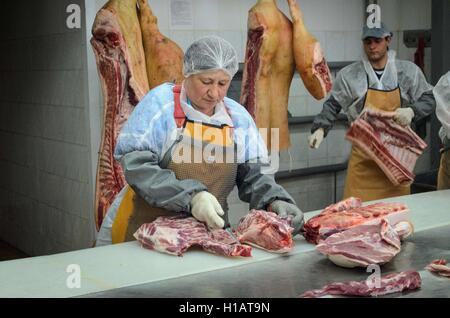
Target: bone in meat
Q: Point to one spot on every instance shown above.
(393, 147)
(363, 245)
(174, 235)
(265, 230)
(328, 223)
(117, 44)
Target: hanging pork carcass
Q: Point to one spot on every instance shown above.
(117, 44)
(126, 42)
(309, 58)
(175, 235)
(163, 57)
(268, 70)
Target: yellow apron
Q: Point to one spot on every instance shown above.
(365, 179)
(444, 171)
(216, 172)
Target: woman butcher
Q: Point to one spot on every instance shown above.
(185, 147)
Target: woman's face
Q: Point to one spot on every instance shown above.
(206, 89)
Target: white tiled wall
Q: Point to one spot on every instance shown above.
(45, 187)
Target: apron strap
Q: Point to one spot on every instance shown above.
(368, 86)
(178, 113)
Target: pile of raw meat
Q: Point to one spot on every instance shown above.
(174, 235)
(353, 235)
(393, 147)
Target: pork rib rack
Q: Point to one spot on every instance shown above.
(393, 147)
(174, 235)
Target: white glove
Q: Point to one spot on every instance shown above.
(206, 208)
(404, 116)
(316, 138)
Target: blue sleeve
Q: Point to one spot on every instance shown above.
(148, 125)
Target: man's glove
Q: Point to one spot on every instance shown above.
(404, 116)
(206, 208)
(316, 138)
(285, 209)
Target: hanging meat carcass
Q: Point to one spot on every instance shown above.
(269, 69)
(117, 44)
(163, 57)
(309, 59)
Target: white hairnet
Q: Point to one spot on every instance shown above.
(210, 53)
(442, 95)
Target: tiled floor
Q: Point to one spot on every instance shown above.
(7, 252)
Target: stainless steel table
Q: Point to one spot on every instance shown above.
(292, 275)
(127, 269)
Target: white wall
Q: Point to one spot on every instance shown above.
(45, 183)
